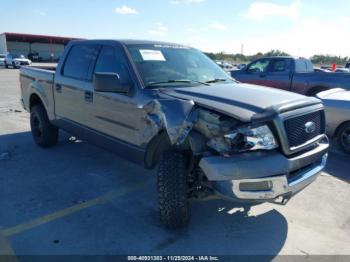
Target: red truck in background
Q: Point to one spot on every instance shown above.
(291, 74)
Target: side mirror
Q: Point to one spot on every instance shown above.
(109, 82)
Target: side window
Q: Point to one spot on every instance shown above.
(309, 66)
(259, 66)
(300, 66)
(80, 61)
(280, 65)
(112, 60)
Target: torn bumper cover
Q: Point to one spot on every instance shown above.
(264, 176)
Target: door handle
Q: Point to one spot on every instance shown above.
(58, 88)
(88, 96)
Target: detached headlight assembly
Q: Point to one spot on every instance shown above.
(250, 139)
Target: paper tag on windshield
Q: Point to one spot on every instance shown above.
(152, 55)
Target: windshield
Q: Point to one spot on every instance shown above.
(2, 56)
(175, 65)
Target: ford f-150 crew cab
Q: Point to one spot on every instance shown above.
(292, 74)
(170, 106)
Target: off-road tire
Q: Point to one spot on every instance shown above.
(44, 133)
(343, 137)
(172, 190)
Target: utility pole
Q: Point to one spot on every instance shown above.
(242, 49)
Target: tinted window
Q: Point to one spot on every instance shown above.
(80, 61)
(112, 60)
(259, 66)
(280, 65)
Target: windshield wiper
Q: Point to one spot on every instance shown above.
(217, 80)
(186, 81)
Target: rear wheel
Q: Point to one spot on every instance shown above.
(344, 138)
(172, 190)
(44, 133)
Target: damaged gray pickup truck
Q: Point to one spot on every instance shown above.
(170, 106)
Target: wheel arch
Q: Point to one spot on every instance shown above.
(34, 100)
(316, 89)
(337, 130)
(194, 144)
(158, 144)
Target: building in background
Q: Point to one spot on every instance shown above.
(36, 47)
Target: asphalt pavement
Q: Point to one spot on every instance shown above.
(76, 198)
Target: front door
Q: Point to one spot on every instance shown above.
(116, 114)
(255, 73)
(279, 74)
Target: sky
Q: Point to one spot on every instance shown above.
(298, 27)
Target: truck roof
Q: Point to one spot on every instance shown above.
(284, 57)
(127, 42)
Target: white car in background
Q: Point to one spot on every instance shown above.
(16, 61)
(342, 70)
(2, 59)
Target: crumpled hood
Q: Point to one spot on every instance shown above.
(244, 102)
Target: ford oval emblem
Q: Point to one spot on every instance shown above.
(310, 127)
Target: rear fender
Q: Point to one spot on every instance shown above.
(37, 89)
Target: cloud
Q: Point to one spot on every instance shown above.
(176, 2)
(125, 10)
(217, 26)
(305, 38)
(159, 30)
(261, 10)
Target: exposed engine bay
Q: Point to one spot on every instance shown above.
(206, 130)
(226, 135)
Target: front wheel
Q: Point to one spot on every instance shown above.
(172, 190)
(44, 133)
(344, 138)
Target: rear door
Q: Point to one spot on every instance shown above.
(73, 87)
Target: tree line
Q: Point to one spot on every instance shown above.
(316, 59)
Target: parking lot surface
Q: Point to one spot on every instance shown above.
(78, 199)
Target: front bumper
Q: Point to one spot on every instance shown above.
(264, 176)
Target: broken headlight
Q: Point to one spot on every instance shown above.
(249, 139)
